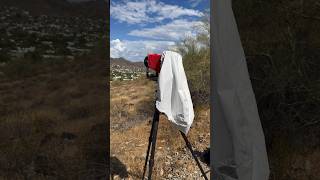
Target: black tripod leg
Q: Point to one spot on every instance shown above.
(149, 145)
(193, 154)
(154, 140)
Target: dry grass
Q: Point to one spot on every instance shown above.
(53, 124)
(129, 143)
(130, 102)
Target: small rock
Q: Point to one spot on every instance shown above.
(161, 172)
(190, 168)
(180, 162)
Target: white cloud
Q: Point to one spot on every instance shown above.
(146, 11)
(175, 30)
(137, 50)
(195, 3)
(116, 48)
(130, 12)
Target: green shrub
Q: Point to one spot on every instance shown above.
(196, 61)
(283, 61)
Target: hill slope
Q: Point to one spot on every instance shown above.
(125, 63)
(122, 69)
(95, 8)
(53, 123)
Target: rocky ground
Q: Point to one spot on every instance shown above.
(131, 114)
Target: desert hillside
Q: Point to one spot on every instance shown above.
(53, 122)
(124, 70)
(94, 9)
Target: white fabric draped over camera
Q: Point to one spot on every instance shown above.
(237, 139)
(173, 95)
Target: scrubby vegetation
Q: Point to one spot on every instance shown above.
(281, 40)
(196, 61)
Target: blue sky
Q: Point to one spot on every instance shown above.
(138, 27)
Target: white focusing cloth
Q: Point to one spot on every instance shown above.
(173, 95)
(237, 139)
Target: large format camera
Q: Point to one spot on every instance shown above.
(153, 66)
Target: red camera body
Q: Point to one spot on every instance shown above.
(154, 62)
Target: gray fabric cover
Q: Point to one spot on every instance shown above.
(238, 149)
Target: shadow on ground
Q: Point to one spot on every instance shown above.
(204, 156)
(117, 168)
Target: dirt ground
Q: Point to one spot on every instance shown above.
(132, 105)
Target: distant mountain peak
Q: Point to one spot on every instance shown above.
(124, 62)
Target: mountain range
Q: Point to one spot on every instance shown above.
(125, 63)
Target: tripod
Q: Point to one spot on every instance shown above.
(152, 144)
